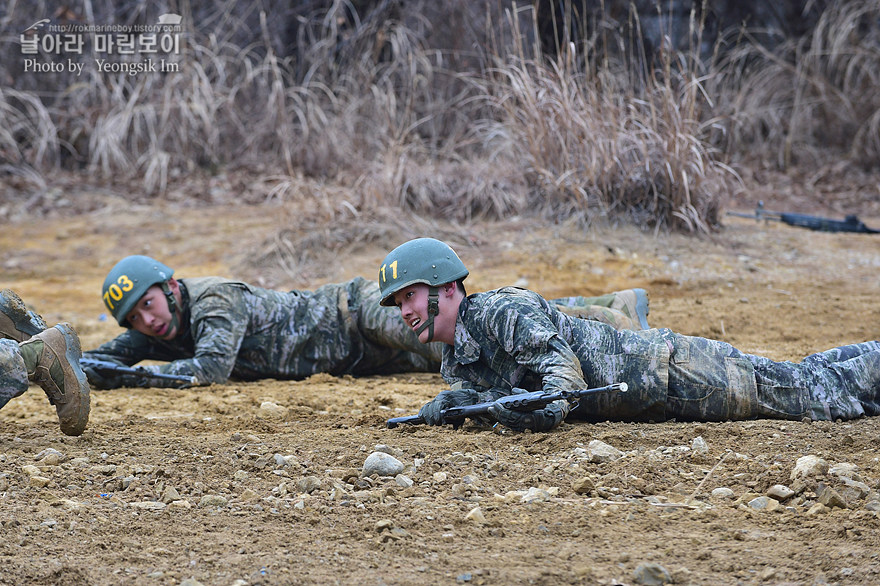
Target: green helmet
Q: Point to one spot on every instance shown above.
(423, 260)
(127, 282)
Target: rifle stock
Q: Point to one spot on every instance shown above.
(518, 402)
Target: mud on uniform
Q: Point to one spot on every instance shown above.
(513, 337)
(230, 329)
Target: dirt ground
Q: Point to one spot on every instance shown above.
(261, 483)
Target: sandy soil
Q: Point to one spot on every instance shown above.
(261, 483)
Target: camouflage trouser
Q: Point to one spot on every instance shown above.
(601, 309)
(13, 374)
(713, 381)
(389, 344)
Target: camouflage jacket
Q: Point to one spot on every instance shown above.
(513, 337)
(230, 329)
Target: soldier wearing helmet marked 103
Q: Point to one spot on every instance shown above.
(129, 280)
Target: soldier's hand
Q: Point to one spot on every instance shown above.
(539, 420)
(100, 381)
(431, 411)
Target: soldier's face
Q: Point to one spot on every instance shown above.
(151, 316)
(413, 304)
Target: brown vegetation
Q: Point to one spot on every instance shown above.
(592, 128)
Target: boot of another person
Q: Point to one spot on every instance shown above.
(52, 361)
(17, 322)
(634, 303)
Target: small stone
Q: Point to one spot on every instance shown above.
(248, 495)
(39, 481)
(49, 457)
(699, 447)
(212, 500)
(308, 484)
(534, 494)
(147, 505)
(780, 492)
(583, 485)
(651, 574)
(809, 466)
(270, 410)
(382, 464)
(170, 494)
(723, 493)
(764, 503)
(831, 498)
(601, 452)
(476, 515)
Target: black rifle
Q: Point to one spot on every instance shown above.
(850, 224)
(108, 367)
(522, 402)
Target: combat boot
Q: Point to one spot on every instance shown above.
(634, 303)
(52, 361)
(17, 322)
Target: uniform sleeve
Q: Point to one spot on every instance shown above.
(219, 322)
(127, 349)
(526, 333)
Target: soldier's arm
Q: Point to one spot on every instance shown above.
(219, 324)
(530, 337)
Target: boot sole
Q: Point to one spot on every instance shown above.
(26, 323)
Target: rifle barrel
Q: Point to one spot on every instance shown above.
(410, 419)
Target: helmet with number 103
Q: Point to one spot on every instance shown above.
(423, 260)
(127, 282)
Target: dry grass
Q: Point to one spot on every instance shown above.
(365, 103)
(811, 97)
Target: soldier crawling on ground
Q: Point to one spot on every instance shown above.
(510, 340)
(215, 329)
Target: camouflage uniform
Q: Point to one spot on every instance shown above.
(13, 374)
(230, 329)
(514, 338)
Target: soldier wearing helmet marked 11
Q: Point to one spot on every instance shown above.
(511, 340)
(215, 329)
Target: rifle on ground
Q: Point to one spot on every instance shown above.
(105, 366)
(851, 223)
(522, 402)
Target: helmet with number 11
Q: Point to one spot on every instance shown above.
(423, 260)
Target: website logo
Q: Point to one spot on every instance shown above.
(110, 48)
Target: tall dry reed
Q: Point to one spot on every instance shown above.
(596, 129)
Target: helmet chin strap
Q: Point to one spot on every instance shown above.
(433, 310)
(172, 307)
